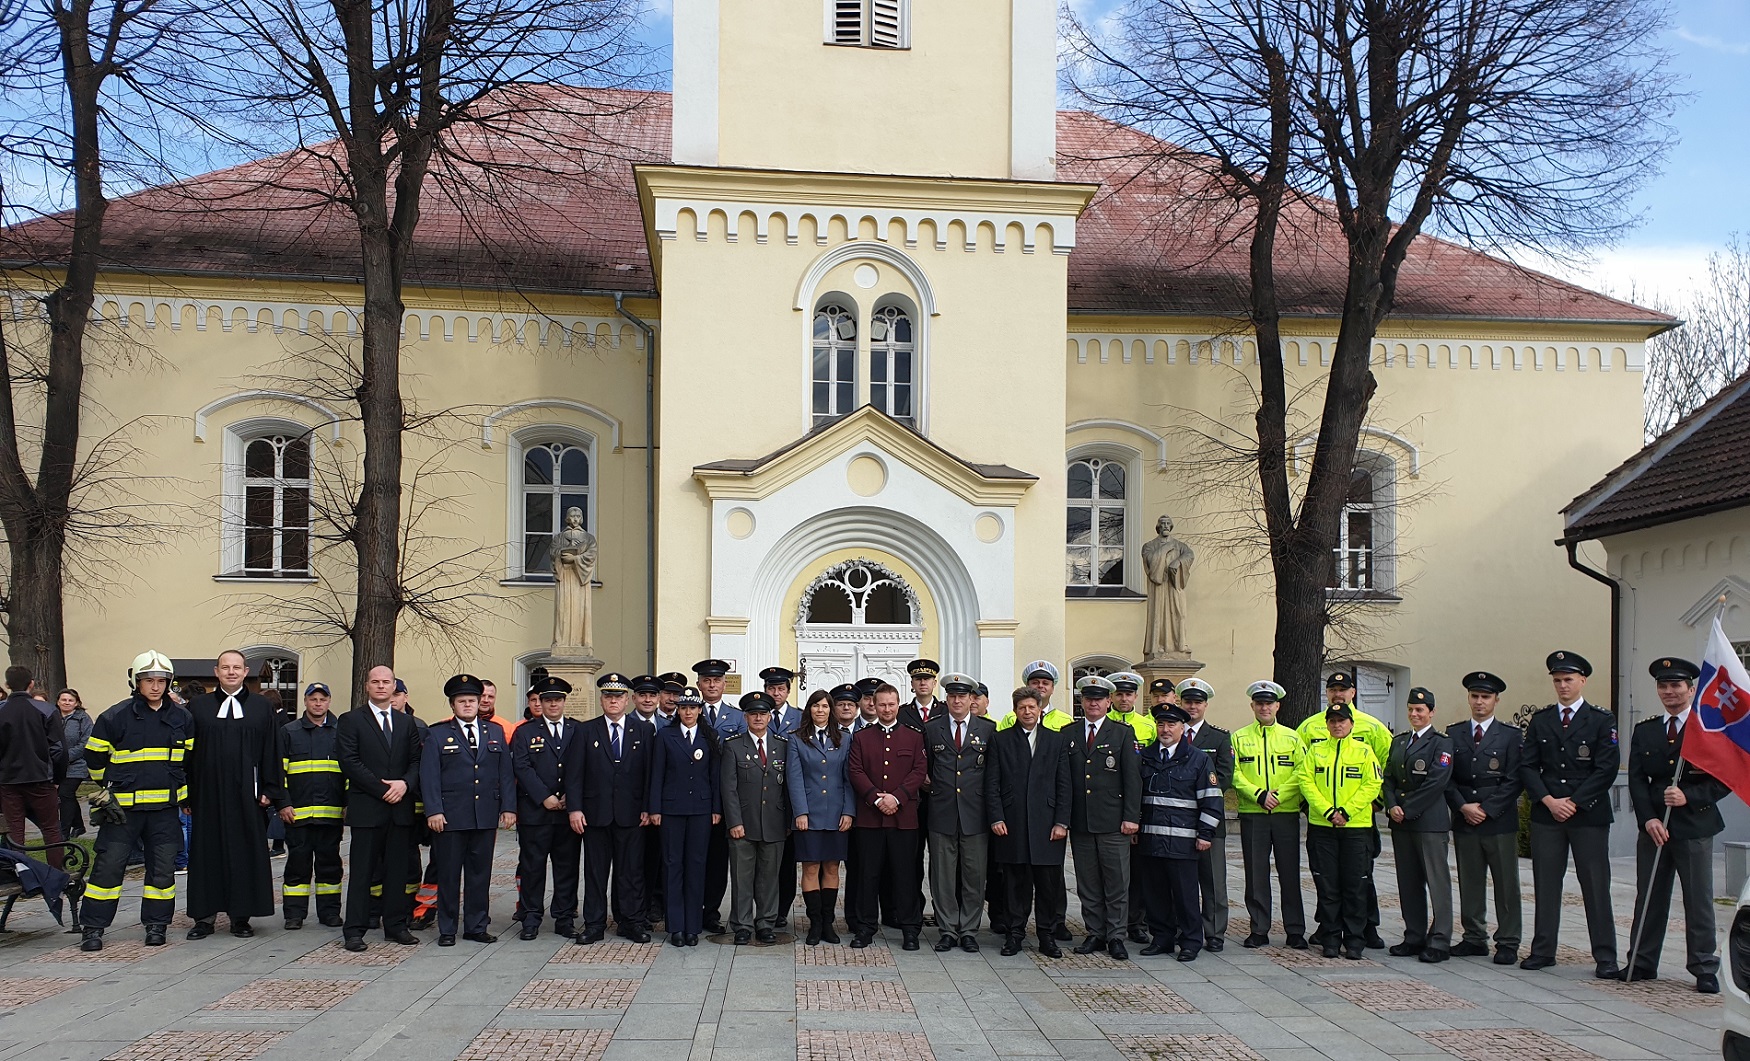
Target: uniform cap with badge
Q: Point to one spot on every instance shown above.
(757, 701)
(1339, 712)
(614, 682)
(1195, 689)
(777, 676)
(1481, 681)
(1266, 691)
(672, 681)
(1125, 681)
(710, 668)
(984, 690)
(1565, 662)
(1419, 695)
(647, 683)
(846, 692)
(1672, 669)
(1095, 687)
(955, 682)
(1172, 713)
(1039, 668)
(1340, 679)
(867, 686)
(923, 668)
(463, 685)
(689, 697)
(552, 687)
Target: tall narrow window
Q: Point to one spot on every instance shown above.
(1363, 560)
(869, 23)
(555, 478)
(892, 365)
(835, 362)
(1095, 528)
(276, 506)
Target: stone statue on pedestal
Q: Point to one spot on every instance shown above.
(1167, 562)
(574, 556)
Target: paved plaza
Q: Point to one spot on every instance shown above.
(285, 995)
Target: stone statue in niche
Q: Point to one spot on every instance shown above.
(574, 556)
(1167, 562)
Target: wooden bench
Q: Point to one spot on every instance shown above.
(76, 863)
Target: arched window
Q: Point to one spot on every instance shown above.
(893, 364)
(555, 477)
(835, 361)
(859, 593)
(1363, 560)
(1095, 523)
(275, 508)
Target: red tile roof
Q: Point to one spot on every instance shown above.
(565, 217)
(1701, 465)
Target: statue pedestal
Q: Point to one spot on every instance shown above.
(1177, 668)
(580, 670)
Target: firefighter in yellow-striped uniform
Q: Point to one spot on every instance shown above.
(317, 791)
(135, 751)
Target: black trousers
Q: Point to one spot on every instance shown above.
(887, 867)
(462, 860)
(1590, 844)
(1374, 847)
(160, 833)
(384, 853)
(72, 819)
(537, 846)
(1039, 889)
(686, 843)
(1173, 899)
(996, 894)
(655, 880)
(787, 878)
(619, 850)
(716, 875)
(312, 867)
(1342, 869)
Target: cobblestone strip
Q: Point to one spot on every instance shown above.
(22, 992)
(816, 1045)
(199, 1046)
(288, 994)
(840, 955)
(1505, 1044)
(1403, 994)
(1212, 1047)
(575, 993)
(866, 996)
(537, 1044)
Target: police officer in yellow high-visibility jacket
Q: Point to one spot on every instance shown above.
(1340, 689)
(1267, 758)
(1041, 677)
(316, 792)
(1339, 779)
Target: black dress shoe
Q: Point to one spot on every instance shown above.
(1297, 943)
(1011, 947)
(594, 935)
(355, 944)
(969, 944)
(1062, 934)
(1050, 949)
(1355, 953)
(480, 937)
(530, 930)
(1213, 945)
(1707, 984)
(1503, 956)
(1467, 949)
(419, 923)
(743, 937)
(1090, 945)
(330, 921)
(692, 939)
(911, 941)
(946, 943)
(241, 929)
(1607, 971)
(675, 939)
(1159, 946)
(766, 936)
(1405, 950)
(91, 940)
(154, 935)
(859, 941)
(293, 924)
(446, 940)
(1374, 941)
(565, 928)
(1331, 948)
(714, 926)
(1115, 950)
(201, 930)
(1637, 975)
(1189, 954)
(1537, 962)
(1139, 935)
(639, 935)
(404, 938)
(1431, 956)
(1256, 940)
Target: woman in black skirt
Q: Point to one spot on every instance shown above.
(821, 795)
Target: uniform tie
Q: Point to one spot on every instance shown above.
(1567, 716)
(959, 735)
(1671, 729)
(1478, 729)
(473, 745)
(1091, 729)
(760, 742)
(614, 739)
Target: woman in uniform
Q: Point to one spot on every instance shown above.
(821, 796)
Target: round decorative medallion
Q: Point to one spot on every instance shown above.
(867, 475)
(866, 276)
(988, 526)
(739, 523)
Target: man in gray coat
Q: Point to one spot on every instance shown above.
(756, 815)
(957, 744)
(1106, 811)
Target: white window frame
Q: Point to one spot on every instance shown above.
(860, 23)
(233, 504)
(850, 306)
(1132, 461)
(519, 443)
(887, 349)
(1383, 560)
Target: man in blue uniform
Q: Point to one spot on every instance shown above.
(726, 721)
(469, 789)
(539, 757)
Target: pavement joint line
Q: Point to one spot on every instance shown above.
(381, 1037)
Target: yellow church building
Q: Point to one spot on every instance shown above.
(851, 349)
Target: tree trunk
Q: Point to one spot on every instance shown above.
(1300, 639)
(35, 626)
(378, 523)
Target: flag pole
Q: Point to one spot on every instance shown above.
(1634, 946)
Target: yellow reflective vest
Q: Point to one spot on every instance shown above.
(1375, 733)
(1340, 775)
(1053, 720)
(1266, 758)
(1142, 723)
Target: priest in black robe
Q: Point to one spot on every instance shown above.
(234, 772)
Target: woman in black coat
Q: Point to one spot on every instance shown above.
(684, 804)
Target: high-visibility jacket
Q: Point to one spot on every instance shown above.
(1143, 723)
(138, 753)
(1266, 758)
(315, 786)
(1376, 734)
(1053, 720)
(1340, 775)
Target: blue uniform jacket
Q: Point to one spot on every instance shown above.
(1181, 801)
(541, 764)
(683, 776)
(788, 725)
(730, 720)
(819, 786)
(469, 788)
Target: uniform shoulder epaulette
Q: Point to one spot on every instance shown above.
(1653, 721)
(1545, 709)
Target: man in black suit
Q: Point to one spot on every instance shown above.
(1679, 818)
(1571, 755)
(1484, 800)
(379, 754)
(1418, 772)
(609, 782)
(1028, 795)
(539, 754)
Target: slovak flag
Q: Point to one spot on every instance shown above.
(1721, 744)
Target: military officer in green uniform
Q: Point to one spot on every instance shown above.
(1418, 771)
(1484, 798)
(1679, 818)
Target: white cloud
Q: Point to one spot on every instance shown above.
(1667, 273)
(1710, 42)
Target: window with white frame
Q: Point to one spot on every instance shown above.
(272, 505)
(556, 476)
(1362, 561)
(869, 23)
(1095, 524)
(835, 360)
(893, 364)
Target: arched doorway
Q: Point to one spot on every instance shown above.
(858, 619)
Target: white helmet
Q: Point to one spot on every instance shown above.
(150, 664)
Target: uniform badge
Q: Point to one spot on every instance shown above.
(698, 753)
(1111, 761)
(980, 758)
(1421, 766)
(1585, 751)
(1494, 764)
(1213, 780)
(537, 744)
(595, 744)
(1444, 759)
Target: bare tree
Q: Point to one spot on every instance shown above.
(1686, 366)
(1500, 123)
(378, 105)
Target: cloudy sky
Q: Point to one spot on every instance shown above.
(1703, 195)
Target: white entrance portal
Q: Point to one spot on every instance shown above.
(857, 620)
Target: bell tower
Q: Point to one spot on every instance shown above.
(941, 88)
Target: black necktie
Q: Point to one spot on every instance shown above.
(388, 725)
(1567, 716)
(1671, 729)
(614, 739)
(473, 745)
(1479, 736)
